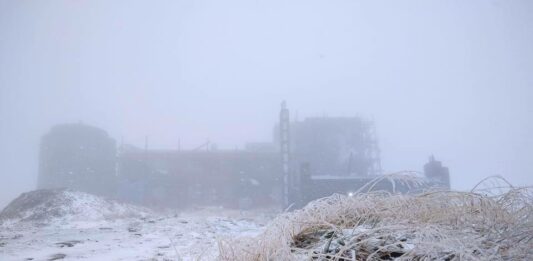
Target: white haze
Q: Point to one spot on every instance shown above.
(449, 78)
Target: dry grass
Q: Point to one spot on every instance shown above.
(491, 222)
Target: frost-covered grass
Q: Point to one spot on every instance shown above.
(491, 222)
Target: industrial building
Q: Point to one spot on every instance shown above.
(178, 178)
(80, 157)
(306, 160)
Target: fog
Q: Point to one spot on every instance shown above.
(448, 78)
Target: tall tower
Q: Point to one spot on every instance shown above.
(284, 123)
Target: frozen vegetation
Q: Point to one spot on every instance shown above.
(491, 222)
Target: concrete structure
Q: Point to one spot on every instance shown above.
(308, 159)
(78, 156)
(185, 178)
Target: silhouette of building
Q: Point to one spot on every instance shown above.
(179, 178)
(78, 156)
(307, 160)
(436, 173)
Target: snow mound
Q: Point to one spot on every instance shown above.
(64, 206)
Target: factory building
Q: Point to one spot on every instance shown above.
(173, 178)
(306, 160)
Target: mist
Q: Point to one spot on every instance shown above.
(452, 79)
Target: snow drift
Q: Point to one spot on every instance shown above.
(64, 206)
(493, 223)
(54, 224)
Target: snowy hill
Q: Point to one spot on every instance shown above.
(71, 225)
(64, 206)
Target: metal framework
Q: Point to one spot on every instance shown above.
(284, 123)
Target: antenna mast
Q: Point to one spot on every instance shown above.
(284, 123)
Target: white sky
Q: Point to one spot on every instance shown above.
(450, 78)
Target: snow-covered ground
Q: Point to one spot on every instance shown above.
(190, 235)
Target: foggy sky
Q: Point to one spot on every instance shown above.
(449, 78)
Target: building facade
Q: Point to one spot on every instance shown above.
(307, 160)
(80, 157)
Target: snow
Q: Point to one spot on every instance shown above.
(63, 207)
(186, 237)
(331, 177)
(89, 227)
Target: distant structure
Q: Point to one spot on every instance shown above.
(339, 155)
(78, 156)
(182, 178)
(436, 173)
(336, 146)
(285, 150)
(306, 160)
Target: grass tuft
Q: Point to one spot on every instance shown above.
(493, 221)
